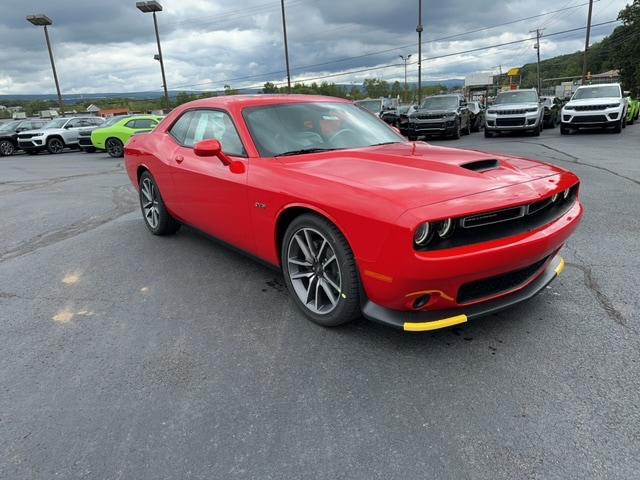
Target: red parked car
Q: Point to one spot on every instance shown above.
(360, 220)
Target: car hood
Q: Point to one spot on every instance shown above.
(412, 176)
(513, 106)
(38, 130)
(594, 101)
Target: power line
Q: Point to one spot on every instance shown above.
(380, 52)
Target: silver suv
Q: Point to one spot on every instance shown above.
(513, 111)
(57, 134)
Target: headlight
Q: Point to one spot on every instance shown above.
(37, 134)
(445, 228)
(450, 115)
(532, 109)
(423, 234)
(492, 112)
(612, 105)
(569, 108)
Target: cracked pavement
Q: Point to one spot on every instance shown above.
(131, 356)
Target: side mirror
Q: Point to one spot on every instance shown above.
(626, 93)
(213, 148)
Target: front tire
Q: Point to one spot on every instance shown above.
(458, 130)
(6, 148)
(55, 145)
(156, 217)
(320, 271)
(115, 148)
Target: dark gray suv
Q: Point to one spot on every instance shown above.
(441, 115)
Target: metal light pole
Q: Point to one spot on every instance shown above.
(286, 47)
(153, 7)
(586, 43)
(405, 60)
(44, 21)
(419, 30)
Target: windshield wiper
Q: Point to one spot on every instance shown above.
(383, 143)
(305, 150)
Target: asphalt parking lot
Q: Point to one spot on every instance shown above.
(129, 356)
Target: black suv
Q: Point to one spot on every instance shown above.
(552, 107)
(9, 133)
(442, 115)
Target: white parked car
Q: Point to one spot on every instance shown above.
(515, 111)
(57, 134)
(601, 105)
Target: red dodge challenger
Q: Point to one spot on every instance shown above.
(361, 221)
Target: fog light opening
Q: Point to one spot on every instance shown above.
(421, 301)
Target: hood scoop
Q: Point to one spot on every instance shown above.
(482, 165)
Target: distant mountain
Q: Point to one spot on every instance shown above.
(77, 98)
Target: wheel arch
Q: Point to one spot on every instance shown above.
(55, 135)
(289, 213)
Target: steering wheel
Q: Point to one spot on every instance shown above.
(340, 132)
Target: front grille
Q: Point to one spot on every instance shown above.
(590, 119)
(493, 217)
(429, 116)
(585, 108)
(510, 122)
(25, 136)
(488, 287)
(515, 111)
(493, 225)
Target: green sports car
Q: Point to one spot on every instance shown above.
(632, 111)
(117, 133)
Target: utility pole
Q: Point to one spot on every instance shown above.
(286, 47)
(405, 59)
(586, 43)
(537, 47)
(44, 21)
(419, 30)
(153, 7)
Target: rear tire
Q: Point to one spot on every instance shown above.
(156, 217)
(6, 148)
(114, 147)
(327, 291)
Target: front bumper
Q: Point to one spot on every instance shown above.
(433, 320)
(85, 142)
(36, 143)
(511, 123)
(596, 118)
(444, 126)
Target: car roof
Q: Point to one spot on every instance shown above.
(600, 85)
(261, 99)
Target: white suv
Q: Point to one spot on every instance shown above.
(57, 134)
(595, 106)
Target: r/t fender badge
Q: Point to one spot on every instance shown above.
(260, 205)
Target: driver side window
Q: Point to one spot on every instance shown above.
(214, 124)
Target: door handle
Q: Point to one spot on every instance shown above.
(179, 158)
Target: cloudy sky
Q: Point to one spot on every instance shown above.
(108, 46)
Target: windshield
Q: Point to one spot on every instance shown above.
(547, 101)
(10, 126)
(57, 123)
(440, 103)
(402, 109)
(373, 106)
(112, 121)
(597, 92)
(307, 127)
(516, 96)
